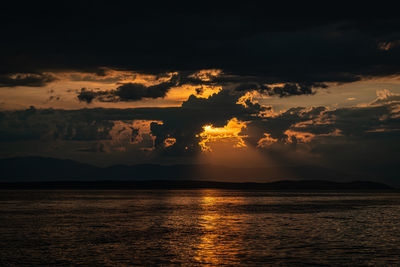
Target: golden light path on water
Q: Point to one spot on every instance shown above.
(220, 242)
(198, 228)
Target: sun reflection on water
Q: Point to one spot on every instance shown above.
(220, 242)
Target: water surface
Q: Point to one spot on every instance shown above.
(198, 227)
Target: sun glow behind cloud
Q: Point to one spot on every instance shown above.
(227, 146)
(229, 134)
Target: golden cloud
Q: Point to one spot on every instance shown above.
(229, 134)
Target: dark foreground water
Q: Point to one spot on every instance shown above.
(198, 227)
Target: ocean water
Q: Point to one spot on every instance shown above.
(198, 228)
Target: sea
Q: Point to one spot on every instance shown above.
(200, 227)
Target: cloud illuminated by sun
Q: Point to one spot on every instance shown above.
(207, 74)
(170, 141)
(298, 137)
(251, 97)
(227, 135)
(266, 141)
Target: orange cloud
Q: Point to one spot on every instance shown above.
(229, 134)
(181, 93)
(266, 141)
(169, 142)
(207, 75)
(299, 137)
(247, 97)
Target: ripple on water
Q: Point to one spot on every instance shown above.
(198, 227)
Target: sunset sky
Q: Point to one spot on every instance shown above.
(228, 85)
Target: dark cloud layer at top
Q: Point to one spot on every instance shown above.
(295, 44)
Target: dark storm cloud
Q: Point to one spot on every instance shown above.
(185, 122)
(25, 79)
(360, 141)
(294, 45)
(181, 123)
(241, 84)
(88, 96)
(353, 139)
(128, 92)
(49, 125)
(352, 122)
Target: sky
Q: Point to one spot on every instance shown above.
(236, 85)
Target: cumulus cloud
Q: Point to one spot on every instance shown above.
(327, 136)
(185, 123)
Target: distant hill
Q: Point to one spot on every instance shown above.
(303, 185)
(54, 172)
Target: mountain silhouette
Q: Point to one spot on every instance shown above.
(51, 172)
